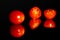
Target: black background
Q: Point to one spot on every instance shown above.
(25, 5)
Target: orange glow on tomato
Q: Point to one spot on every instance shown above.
(35, 13)
(34, 23)
(16, 17)
(17, 31)
(49, 24)
(50, 13)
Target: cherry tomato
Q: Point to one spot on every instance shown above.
(35, 12)
(16, 17)
(17, 31)
(34, 23)
(50, 13)
(49, 24)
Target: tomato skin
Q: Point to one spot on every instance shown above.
(17, 31)
(34, 23)
(35, 12)
(49, 24)
(49, 13)
(16, 17)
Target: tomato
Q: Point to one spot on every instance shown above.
(50, 13)
(16, 17)
(35, 12)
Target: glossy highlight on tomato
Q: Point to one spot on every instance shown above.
(34, 23)
(16, 17)
(35, 12)
(49, 13)
(17, 31)
(49, 24)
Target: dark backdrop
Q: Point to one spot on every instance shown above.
(25, 5)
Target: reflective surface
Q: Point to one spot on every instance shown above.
(25, 5)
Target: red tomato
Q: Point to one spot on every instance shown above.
(35, 12)
(17, 31)
(49, 24)
(50, 13)
(34, 23)
(16, 17)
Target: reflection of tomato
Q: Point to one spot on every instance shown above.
(34, 23)
(16, 17)
(49, 13)
(35, 13)
(17, 31)
(49, 24)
